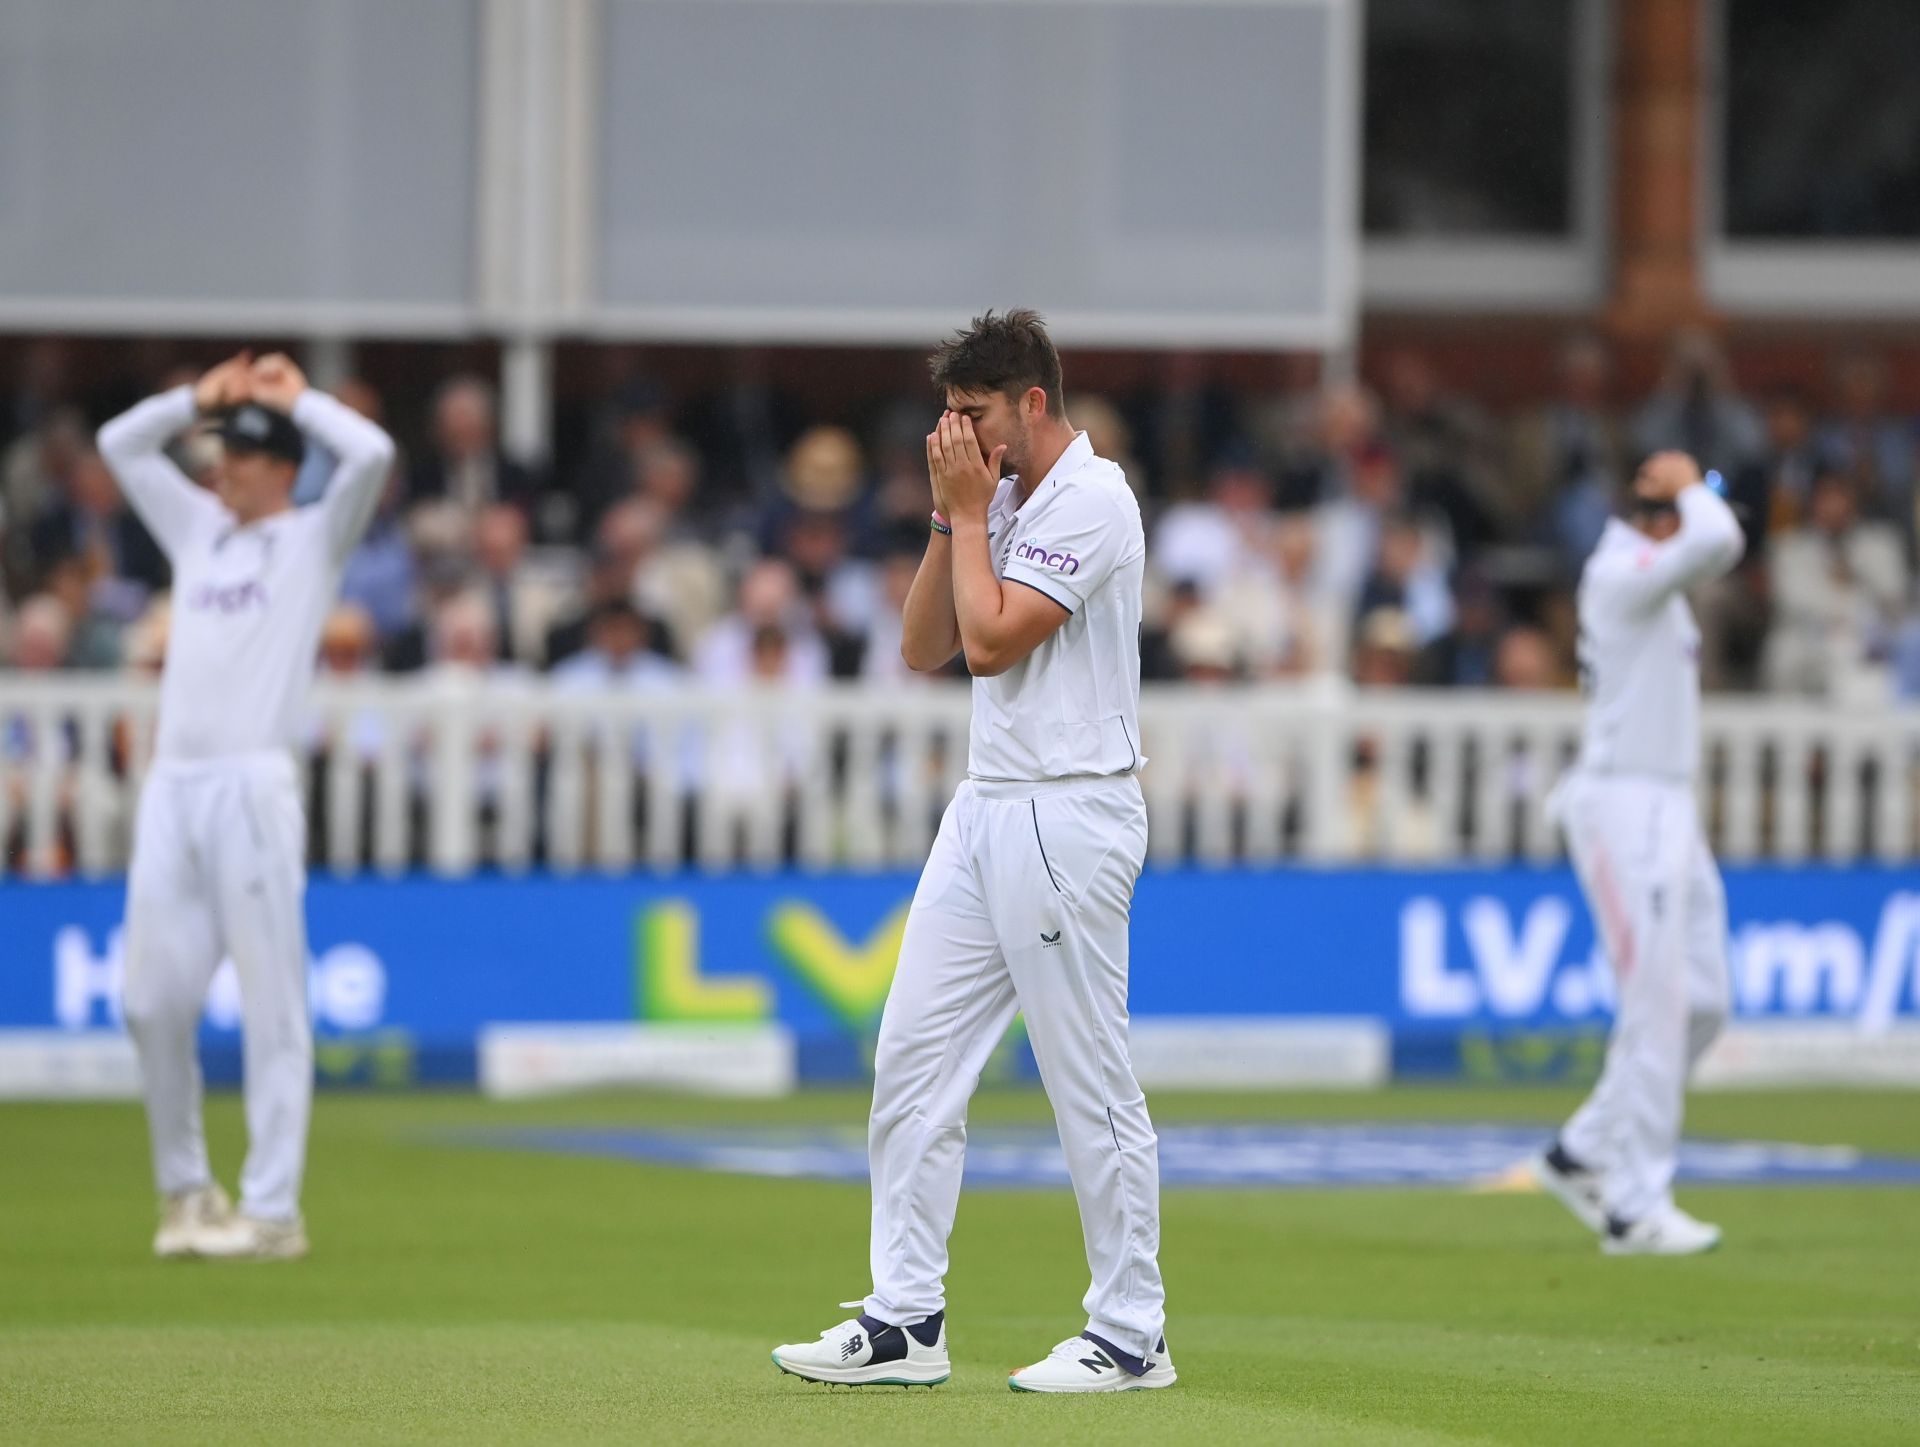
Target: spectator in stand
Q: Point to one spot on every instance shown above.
(824, 472)
(769, 604)
(464, 464)
(143, 650)
(465, 643)
(1219, 750)
(1770, 497)
(1467, 655)
(41, 643)
(36, 473)
(1350, 525)
(609, 580)
(1564, 458)
(1383, 657)
(620, 653)
(880, 660)
(1839, 589)
(1698, 409)
(440, 540)
(1210, 543)
(526, 601)
(92, 521)
(1526, 660)
(96, 634)
(1405, 577)
(381, 575)
(1285, 624)
(1206, 646)
(669, 479)
(1339, 428)
(1164, 613)
(1871, 444)
(1770, 494)
(1443, 443)
(621, 657)
(759, 757)
(464, 650)
(677, 583)
(898, 446)
(348, 643)
(841, 592)
(1383, 651)
(642, 424)
(349, 649)
(42, 635)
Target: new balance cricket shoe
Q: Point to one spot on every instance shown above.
(868, 1352)
(1089, 1363)
(252, 1238)
(1573, 1185)
(184, 1215)
(1671, 1232)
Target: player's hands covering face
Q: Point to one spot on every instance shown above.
(964, 481)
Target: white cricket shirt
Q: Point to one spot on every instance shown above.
(1072, 706)
(248, 602)
(1639, 645)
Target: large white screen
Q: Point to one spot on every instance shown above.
(172, 160)
(1153, 171)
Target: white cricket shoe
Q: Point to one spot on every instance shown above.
(1081, 1365)
(853, 1354)
(1671, 1232)
(184, 1215)
(1573, 1186)
(252, 1238)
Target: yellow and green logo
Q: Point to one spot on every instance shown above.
(850, 977)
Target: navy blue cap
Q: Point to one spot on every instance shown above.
(251, 427)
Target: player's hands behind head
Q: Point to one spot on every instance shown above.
(277, 382)
(1665, 475)
(227, 385)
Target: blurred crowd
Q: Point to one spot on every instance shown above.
(1397, 533)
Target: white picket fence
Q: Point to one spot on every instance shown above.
(455, 773)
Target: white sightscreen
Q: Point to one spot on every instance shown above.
(1150, 171)
(177, 162)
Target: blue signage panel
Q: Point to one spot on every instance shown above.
(405, 972)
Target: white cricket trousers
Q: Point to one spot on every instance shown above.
(1661, 912)
(219, 870)
(1023, 907)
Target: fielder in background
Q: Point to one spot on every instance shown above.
(1632, 827)
(1033, 570)
(219, 853)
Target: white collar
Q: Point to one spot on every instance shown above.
(1078, 454)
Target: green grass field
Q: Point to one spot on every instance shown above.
(481, 1295)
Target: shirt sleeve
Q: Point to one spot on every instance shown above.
(1073, 549)
(364, 461)
(1707, 546)
(174, 507)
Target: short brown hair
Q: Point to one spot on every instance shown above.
(1008, 352)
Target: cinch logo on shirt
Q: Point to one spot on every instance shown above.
(230, 598)
(1061, 562)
